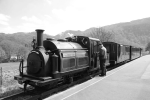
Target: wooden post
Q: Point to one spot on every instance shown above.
(1, 79)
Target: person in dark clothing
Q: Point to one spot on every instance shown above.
(102, 58)
(33, 43)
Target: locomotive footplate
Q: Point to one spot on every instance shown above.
(35, 82)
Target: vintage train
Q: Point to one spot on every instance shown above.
(54, 61)
(117, 53)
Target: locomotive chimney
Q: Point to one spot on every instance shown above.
(39, 38)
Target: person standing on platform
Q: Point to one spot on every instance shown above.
(102, 58)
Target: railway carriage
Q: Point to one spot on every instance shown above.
(117, 52)
(121, 53)
(135, 52)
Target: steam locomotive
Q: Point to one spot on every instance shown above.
(54, 61)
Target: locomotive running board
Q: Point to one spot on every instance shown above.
(32, 81)
(38, 78)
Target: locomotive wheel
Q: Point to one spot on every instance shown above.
(69, 79)
(47, 87)
(112, 63)
(25, 87)
(91, 76)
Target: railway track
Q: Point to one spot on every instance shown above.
(39, 94)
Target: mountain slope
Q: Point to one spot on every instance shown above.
(136, 33)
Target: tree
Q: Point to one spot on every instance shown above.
(101, 34)
(22, 52)
(2, 37)
(148, 47)
(2, 54)
(9, 47)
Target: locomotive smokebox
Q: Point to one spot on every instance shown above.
(39, 38)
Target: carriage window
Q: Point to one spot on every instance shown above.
(113, 48)
(95, 46)
(107, 46)
(119, 50)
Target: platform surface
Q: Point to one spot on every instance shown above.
(130, 81)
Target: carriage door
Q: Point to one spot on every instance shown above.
(113, 53)
(92, 54)
(95, 54)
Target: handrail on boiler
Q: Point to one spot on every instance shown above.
(21, 66)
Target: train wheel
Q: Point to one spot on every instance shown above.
(112, 63)
(91, 76)
(69, 79)
(25, 87)
(48, 86)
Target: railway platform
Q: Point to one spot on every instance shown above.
(130, 81)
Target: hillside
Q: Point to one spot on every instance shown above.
(20, 37)
(65, 34)
(136, 33)
(17, 44)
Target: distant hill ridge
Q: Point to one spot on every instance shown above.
(136, 32)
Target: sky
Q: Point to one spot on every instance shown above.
(56, 16)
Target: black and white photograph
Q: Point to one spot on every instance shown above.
(74, 50)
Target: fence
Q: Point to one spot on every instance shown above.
(0, 79)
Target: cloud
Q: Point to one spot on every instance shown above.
(83, 14)
(4, 19)
(48, 17)
(48, 1)
(80, 14)
(75, 15)
(26, 27)
(43, 22)
(32, 19)
(4, 23)
(7, 29)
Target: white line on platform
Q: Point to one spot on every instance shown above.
(94, 83)
(146, 74)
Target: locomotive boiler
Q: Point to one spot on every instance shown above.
(53, 61)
